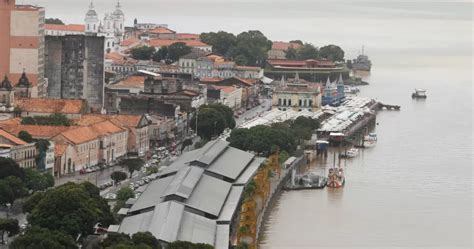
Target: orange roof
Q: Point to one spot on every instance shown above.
(118, 119)
(161, 30)
(226, 89)
(106, 127)
(279, 45)
(44, 105)
(247, 68)
(42, 131)
(127, 120)
(88, 133)
(210, 80)
(187, 36)
(69, 27)
(164, 42)
(129, 41)
(134, 81)
(60, 148)
(11, 138)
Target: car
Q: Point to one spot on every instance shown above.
(111, 196)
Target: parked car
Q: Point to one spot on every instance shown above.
(111, 196)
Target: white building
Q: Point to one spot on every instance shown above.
(112, 27)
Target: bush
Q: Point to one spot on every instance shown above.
(125, 193)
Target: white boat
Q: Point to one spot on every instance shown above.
(419, 93)
(353, 152)
(370, 140)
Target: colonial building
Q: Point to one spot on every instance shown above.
(20, 151)
(249, 88)
(188, 63)
(75, 68)
(112, 28)
(63, 29)
(297, 96)
(159, 43)
(7, 94)
(280, 48)
(71, 108)
(230, 96)
(22, 44)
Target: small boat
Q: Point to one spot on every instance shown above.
(353, 152)
(307, 181)
(370, 140)
(419, 93)
(336, 178)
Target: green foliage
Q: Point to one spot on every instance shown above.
(187, 142)
(161, 55)
(332, 52)
(55, 119)
(297, 41)
(242, 245)
(30, 203)
(283, 156)
(261, 139)
(250, 189)
(222, 42)
(200, 143)
(10, 168)
(303, 127)
(25, 136)
(71, 208)
(125, 193)
(41, 238)
(42, 148)
(133, 164)
(188, 245)
(291, 54)
(213, 119)
(37, 181)
(142, 53)
(9, 226)
(247, 48)
(140, 240)
(305, 52)
(118, 205)
(11, 188)
(118, 176)
(177, 50)
(253, 45)
(53, 21)
(151, 170)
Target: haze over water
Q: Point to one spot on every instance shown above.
(414, 189)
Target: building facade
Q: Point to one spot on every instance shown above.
(75, 68)
(297, 96)
(22, 44)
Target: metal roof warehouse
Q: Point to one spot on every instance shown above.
(196, 198)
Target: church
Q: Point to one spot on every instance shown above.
(112, 27)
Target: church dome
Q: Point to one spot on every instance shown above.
(23, 81)
(6, 84)
(118, 13)
(91, 13)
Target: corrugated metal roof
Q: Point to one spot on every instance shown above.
(211, 151)
(231, 163)
(184, 182)
(209, 195)
(197, 229)
(249, 172)
(166, 220)
(222, 237)
(230, 205)
(152, 195)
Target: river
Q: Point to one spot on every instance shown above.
(414, 189)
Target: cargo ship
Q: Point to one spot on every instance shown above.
(362, 63)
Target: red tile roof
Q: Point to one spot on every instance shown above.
(279, 45)
(129, 41)
(211, 80)
(69, 27)
(161, 30)
(44, 105)
(130, 82)
(91, 132)
(186, 36)
(60, 148)
(11, 138)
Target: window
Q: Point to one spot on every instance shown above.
(88, 27)
(299, 103)
(310, 102)
(289, 102)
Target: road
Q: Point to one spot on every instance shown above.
(265, 105)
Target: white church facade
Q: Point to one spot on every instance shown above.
(112, 27)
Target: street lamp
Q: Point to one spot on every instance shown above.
(8, 209)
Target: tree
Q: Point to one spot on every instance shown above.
(188, 245)
(161, 55)
(10, 168)
(222, 42)
(212, 120)
(253, 45)
(178, 49)
(125, 193)
(71, 208)
(332, 52)
(307, 51)
(53, 21)
(291, 53)
(42, 148)
(241, 60)
(37, 181)
(25, 136)
(10, 226)
(118, 176)
(145, 238)
(133, 164)
(30, 203)
(297, 42)
(142, 53)
(11, 188)
(55, 119)
(140, 240)
(41, 238)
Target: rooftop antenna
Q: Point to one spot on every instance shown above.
(362, 49)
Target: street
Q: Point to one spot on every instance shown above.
(254, 112)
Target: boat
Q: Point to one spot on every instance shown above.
(353, 152)
(351, 89)
(307, 181)
(419, 93)
(362, 63)
(370, 140)
(336, 178)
